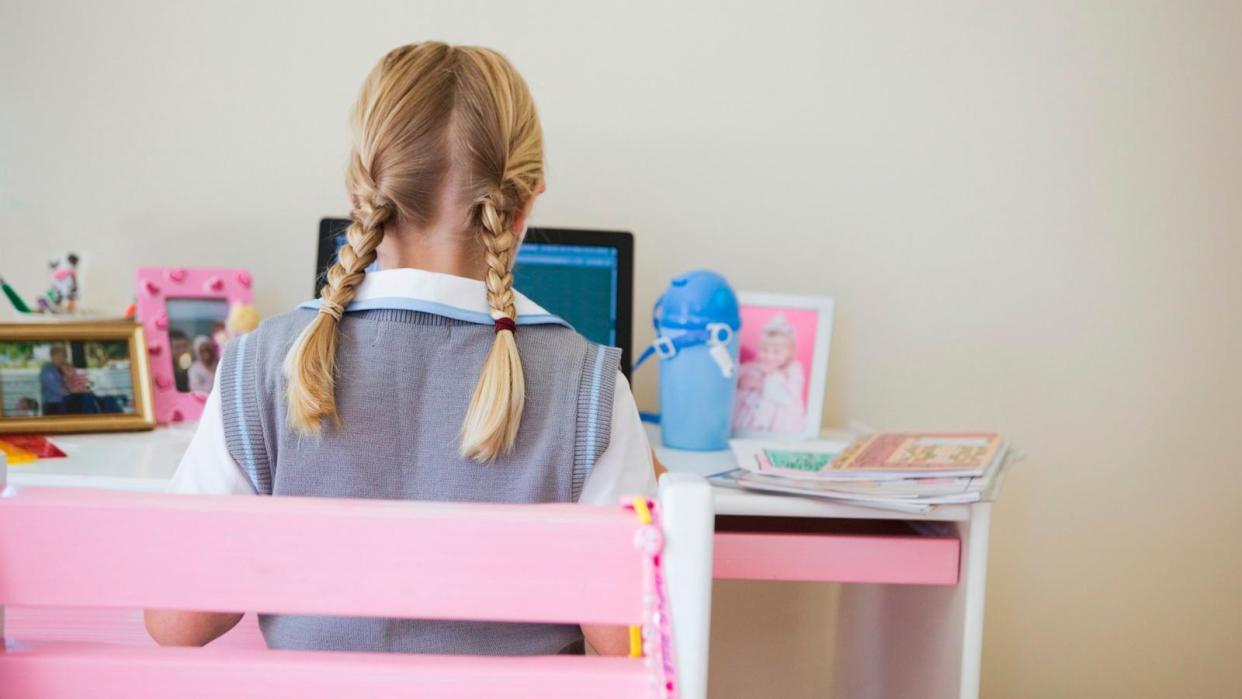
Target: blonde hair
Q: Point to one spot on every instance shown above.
(429, 113)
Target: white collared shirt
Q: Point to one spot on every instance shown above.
(623, 469)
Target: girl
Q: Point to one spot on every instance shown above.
(202, 373)
(431, 379)
(769, 387)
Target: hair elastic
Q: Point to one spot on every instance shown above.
(331, 308)
(505, 323)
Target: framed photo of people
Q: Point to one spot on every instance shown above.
(74, 377)
(189, 313)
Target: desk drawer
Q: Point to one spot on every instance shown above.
(833, 551)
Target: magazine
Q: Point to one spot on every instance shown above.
(736, 478)
(908, 472)
(877, 457)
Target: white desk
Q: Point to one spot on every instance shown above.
(139, 461)
(921, 641)
(894, 640)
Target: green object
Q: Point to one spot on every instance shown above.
(809, 461)
(14, 299)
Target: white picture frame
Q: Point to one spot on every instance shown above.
(755, 416)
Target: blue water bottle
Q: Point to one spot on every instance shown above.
(696, 323)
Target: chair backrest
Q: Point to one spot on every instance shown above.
(521, 563)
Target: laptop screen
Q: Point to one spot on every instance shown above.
(575, 282)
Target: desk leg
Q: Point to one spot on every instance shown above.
(916, 640)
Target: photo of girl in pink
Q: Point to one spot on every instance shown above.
(770, 387)
(783, 348)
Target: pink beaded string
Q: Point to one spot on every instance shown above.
(657, 635)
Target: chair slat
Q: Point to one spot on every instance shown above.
(73, 670)
(542, 563)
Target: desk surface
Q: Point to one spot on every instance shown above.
(145, 461)
(141, 461)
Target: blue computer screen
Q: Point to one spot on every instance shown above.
(576, 282)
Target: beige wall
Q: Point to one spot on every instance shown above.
(1029, 215)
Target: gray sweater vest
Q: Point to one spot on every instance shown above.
(404, 380)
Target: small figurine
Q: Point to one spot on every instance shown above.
(62, 295)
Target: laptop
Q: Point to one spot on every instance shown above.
(583, 276)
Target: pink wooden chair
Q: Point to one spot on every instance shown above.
(79, 549)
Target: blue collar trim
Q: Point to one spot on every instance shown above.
(440, 309)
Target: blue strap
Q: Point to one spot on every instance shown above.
(674, 345)
(644, 356)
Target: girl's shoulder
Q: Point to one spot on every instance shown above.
(555, 344)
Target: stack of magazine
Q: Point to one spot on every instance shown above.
(908, 472)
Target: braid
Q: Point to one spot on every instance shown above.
(310, 365)
(361, 239)
(495, 411)
(498, 241)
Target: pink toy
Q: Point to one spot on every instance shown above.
(174, 351)
(530, 563)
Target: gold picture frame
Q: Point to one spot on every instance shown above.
(142, 415)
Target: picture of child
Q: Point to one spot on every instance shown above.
(771, 393)
(202, 372)
(783, 348)
(194, 363)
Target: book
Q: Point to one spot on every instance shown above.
(877, 457)
(909, 472)
(743, 479)
(941, 489)
(798, 460)
(914, 454)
